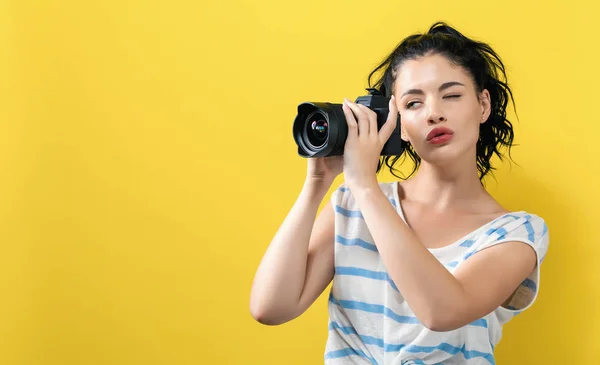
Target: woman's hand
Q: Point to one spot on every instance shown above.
(364, 143)
(324, 169)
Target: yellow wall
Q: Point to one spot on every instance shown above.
(146, 159)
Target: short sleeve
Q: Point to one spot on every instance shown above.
(533, 231)
(338, 195)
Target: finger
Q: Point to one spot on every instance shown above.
(372, 119)
(361, 117)
(390, 124)
(351, 121)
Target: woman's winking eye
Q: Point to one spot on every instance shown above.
(411, 104)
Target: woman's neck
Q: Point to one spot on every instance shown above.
(441, 187)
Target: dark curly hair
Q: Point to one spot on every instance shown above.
(487, 71)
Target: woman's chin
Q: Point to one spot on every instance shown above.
(443, 157)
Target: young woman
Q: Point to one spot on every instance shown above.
(425, 270)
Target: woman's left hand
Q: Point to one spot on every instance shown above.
(364, 143)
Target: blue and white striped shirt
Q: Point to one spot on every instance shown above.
(371, 323)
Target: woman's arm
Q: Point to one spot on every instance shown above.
(298, 264)
(440, 300)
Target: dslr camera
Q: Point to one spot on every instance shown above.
(320, 128)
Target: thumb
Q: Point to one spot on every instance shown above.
(390, 124)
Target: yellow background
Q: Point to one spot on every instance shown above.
(146, 159)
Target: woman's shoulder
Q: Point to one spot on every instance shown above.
(522, 226)
(386, 187)
(342, 195)
(390, 189)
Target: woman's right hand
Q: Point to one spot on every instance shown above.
(324, 169)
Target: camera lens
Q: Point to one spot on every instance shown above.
(317, 129)
(320, 129)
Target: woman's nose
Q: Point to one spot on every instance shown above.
(436, 115)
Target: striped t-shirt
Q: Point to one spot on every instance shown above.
(371, 323)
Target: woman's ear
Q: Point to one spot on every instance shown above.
(402, 134)
(485, 103)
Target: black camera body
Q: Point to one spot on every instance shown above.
(320, 128)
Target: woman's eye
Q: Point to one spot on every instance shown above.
(411, 104)
(454, 96)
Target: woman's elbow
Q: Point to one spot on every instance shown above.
(441, 322)
(268, 316)
(439, 325)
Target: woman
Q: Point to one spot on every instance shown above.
(425, 270)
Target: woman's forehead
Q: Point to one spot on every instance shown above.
(428, 72)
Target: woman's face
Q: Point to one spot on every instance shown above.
(440, 108)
